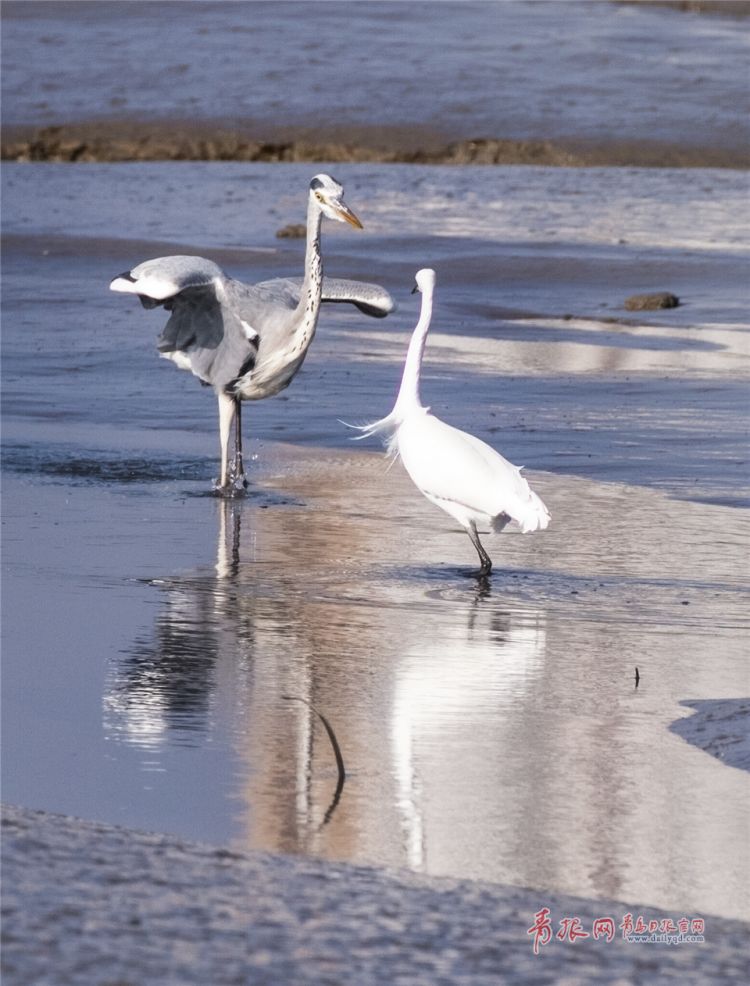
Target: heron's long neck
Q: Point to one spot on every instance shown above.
(408, 394)
(312, 285)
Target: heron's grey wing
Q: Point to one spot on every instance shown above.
(206, 333)
(371, 299)
(157, 280)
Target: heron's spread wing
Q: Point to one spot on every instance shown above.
(221, 329)
(207, 331)
(162, 278)
(371, 299)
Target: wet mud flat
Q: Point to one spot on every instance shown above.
(111, 904)
(176, 140)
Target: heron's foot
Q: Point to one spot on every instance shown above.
(235, 486)
(237, 478)
(236, 482)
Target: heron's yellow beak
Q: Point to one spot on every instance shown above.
(347, 215)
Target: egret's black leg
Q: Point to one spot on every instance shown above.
(485, 562)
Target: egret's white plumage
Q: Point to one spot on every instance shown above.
(456, 471)
(248, 341)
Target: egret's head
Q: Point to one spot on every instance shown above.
(329, 197)
(425, 280)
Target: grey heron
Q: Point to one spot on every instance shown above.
(454, 470)
(248, 341)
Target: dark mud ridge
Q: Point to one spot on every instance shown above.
(91, 142)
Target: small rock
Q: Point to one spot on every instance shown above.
(650, 302)
(294, 231)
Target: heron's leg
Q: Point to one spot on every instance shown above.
(484, 559)
(227, 410)
(237, 472)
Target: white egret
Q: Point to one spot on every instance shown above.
(248, 341)
(455, 471)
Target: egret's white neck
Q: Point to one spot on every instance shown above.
(408, 394)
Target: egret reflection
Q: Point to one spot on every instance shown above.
(450, 704)
(419, 694)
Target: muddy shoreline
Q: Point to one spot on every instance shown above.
(113, 141)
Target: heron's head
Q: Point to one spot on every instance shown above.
(328, 194)
(425, 279)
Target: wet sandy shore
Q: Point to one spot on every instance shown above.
(87, 902)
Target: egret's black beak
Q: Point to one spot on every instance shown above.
(415, 289)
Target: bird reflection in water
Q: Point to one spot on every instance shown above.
(421, 685)
(450, 726)
(161, 691)
(164, 691)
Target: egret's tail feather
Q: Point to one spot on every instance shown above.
(535, 516)
(386, 429)
(527, 510)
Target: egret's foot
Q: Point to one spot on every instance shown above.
(484, 586)
(485, 562)
(482, 575)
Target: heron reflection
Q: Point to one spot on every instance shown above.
(201, 656)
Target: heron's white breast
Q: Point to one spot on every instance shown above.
(180, 358)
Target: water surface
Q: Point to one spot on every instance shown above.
(163, 650)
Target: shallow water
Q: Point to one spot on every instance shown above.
(160, 647)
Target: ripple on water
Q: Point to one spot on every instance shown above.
(69, 464)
